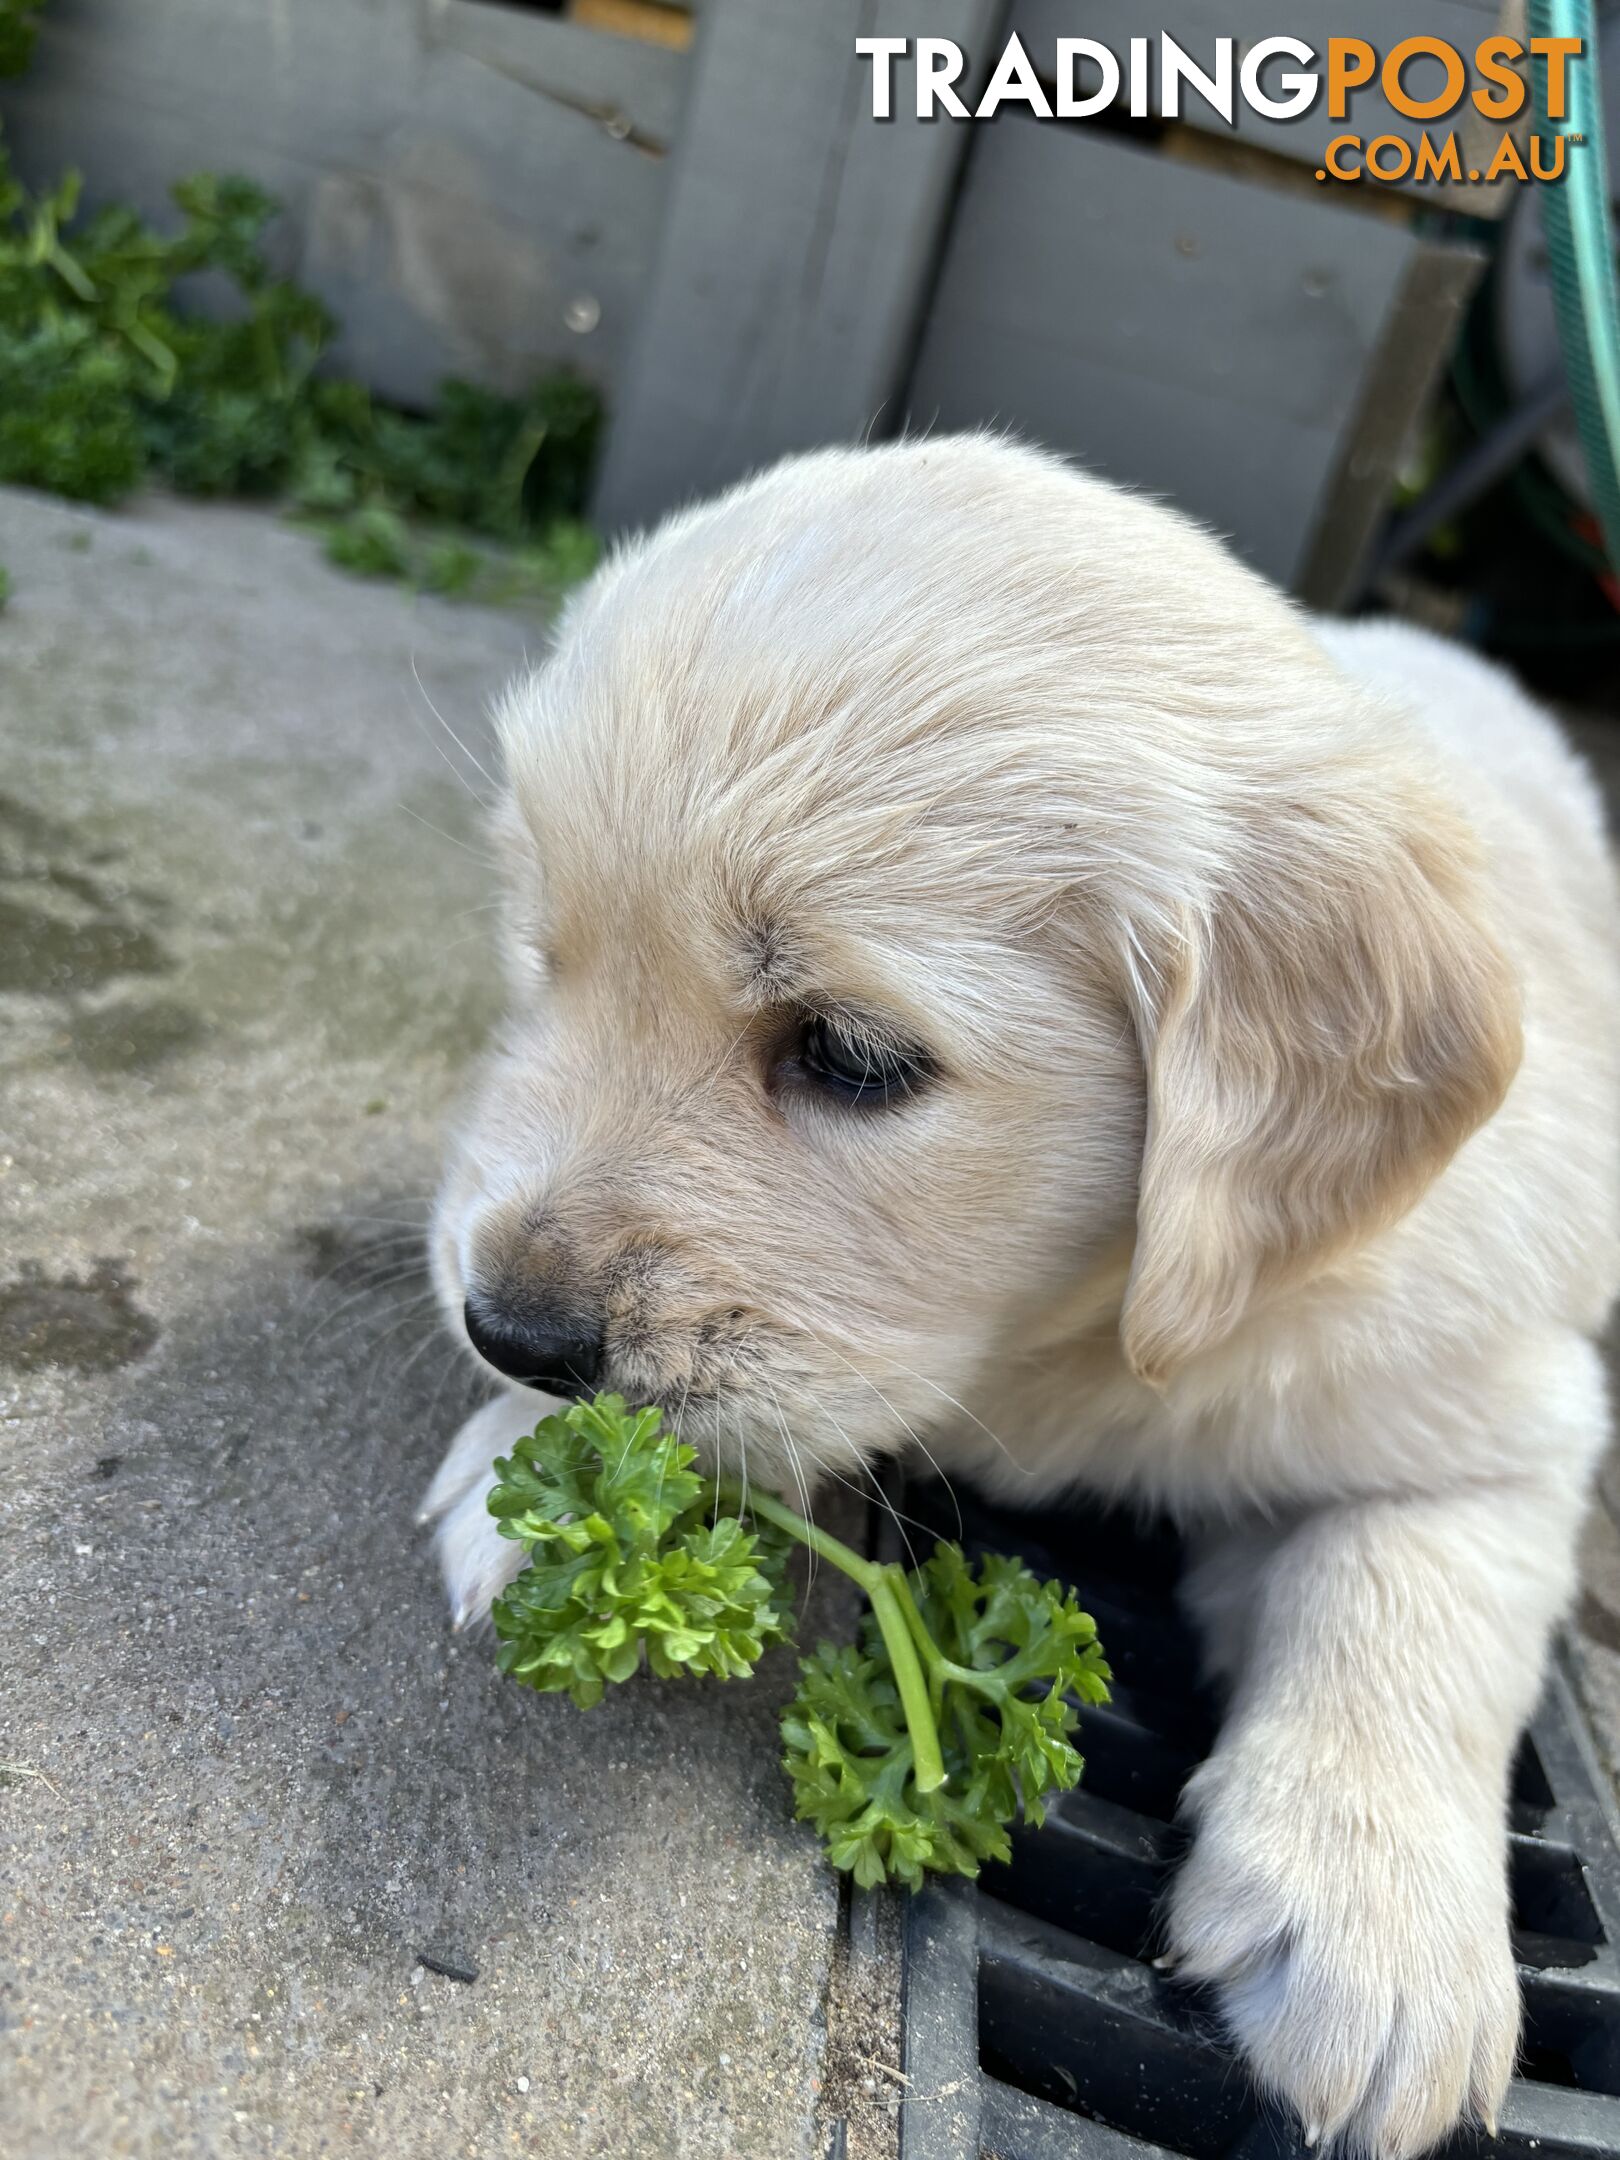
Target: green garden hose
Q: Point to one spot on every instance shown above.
(1580, 253)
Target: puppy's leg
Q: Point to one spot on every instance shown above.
(476, 1560)
(1347, 1891)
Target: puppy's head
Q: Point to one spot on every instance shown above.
(936, 880)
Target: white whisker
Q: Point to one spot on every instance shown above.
(477, 854)
(796, 1466)
(923, 1380)
(917, 1438)
(477, 767)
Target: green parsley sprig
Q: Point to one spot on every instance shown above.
(911, 1749)
(627, 1560)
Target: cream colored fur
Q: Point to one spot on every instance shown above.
(1269, 1172)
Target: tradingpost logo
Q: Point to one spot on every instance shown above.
(1276, 78)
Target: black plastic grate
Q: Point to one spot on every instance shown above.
(1036, 2027)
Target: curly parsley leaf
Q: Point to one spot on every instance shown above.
(848, 1753)
(1035, 1652)
(1009, 1653)
(625, 1564)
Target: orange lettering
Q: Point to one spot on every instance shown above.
(1491, 59)
(1330, 157)
(1351, 61)
(1557, 52)
(1435, 49)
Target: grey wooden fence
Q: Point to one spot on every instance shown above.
(748, 263)
(1183, 309)
(474, 188)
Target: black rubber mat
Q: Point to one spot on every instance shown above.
(1036, 2027)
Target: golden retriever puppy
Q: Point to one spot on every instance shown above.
(983, 964)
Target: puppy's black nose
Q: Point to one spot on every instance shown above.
(534, 1356)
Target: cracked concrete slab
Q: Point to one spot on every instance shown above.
(285, 1869)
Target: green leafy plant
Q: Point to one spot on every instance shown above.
(19, 27)
(373, 542)
(911, 1749)
(107, 378)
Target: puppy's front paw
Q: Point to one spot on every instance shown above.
(1357, 1938)
(476, 1561)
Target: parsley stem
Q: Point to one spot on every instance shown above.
(888, 1609)
(928, 1766)
(772, 1510)
(935, 1664)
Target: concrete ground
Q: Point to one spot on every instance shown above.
(251, 1786)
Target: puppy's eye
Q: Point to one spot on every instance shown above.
(856, 1069)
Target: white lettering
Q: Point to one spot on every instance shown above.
(883, 53)
(1014, 79)
(1071, 105)
(1300, 89)
(1177, 67)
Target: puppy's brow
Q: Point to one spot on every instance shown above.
(773, 970)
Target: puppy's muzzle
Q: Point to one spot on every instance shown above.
(531, 1351)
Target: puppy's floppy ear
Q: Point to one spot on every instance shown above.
(1318, 1041)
